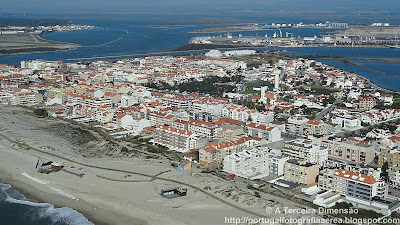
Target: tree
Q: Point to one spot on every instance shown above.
(40, 112)
(331, 99)
(325, 102)
(385, 166)
(379, 105)
(392, 128)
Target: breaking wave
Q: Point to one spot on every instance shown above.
(15, 208)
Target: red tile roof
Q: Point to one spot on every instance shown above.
(355, 176)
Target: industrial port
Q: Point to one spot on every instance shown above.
(342, 35)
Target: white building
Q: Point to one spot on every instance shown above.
(318, 155)
(302, 149)
(277, 166)
(296, 124)
(395, 178)
(254, 163)
(347, 122)
(328, 199)
(138, 124)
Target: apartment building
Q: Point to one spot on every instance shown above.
(305, 150)
(203, 128)
(175, 139)
(230, 132)
(180, 124)
(161, 118)
(392, 157)
(350, 150)
(213, 106)
(394, 175)
(271, 134)
(367, 103)
(347, 122)
(214, 153)
(295, 124)
(203, 116)
(325, 179)
(277, 166)
(252, 163)
(26, 98)
(313, 127)
(178, 101)
(358, 187)
(300, 172)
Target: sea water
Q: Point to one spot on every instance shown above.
(16, 209)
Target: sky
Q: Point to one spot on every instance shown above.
(198, 5)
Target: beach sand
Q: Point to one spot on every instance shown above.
(105, 201)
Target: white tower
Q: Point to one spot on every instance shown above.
(262, 98)
(277, 73)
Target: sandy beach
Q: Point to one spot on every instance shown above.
(98, 195)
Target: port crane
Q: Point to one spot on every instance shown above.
(287, 34)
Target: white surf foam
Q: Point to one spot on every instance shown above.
(57, 215)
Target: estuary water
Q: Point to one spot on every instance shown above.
(123, 38)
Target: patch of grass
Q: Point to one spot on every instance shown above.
(250, 86)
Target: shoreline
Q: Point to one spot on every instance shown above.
(40, 51)
(101, 200)
(246, 28)
(37, 45)
(99, 213)
(34, 194)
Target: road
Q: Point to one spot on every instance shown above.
(365, 128)
(327, 110)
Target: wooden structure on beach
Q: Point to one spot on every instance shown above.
(173, 192)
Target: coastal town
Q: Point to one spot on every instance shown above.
(321, 134)
(43, 29)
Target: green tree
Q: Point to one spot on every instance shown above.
(392, 128)
(40, 112)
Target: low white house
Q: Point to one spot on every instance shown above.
(347, 122)
(328, 199)
(392, 142)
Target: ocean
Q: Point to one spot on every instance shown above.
(16, 209)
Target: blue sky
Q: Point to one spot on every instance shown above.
(199, 5)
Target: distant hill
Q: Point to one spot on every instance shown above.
(32, 22)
